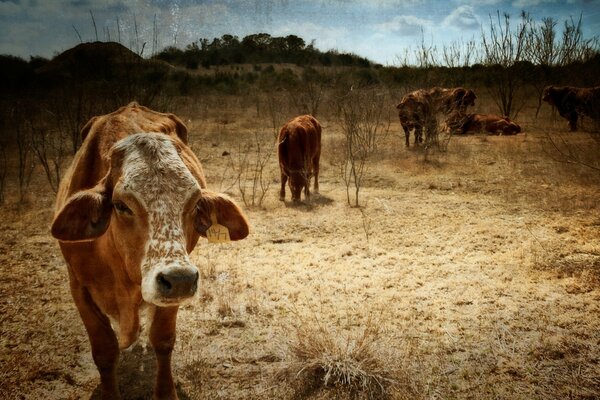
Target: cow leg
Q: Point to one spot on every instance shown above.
(418, 134)
(105, 346)
(284, 179)
(573, 122)
(307, 189)
(162, 338)
(406, 135)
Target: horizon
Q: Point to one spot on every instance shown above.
(382, 31)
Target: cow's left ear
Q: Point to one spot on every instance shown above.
(85, 216)
(226, 211)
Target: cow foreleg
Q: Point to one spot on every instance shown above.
(105, 346)
(406, 135)
(573, 122)
(162, 338)
(418, 134)
(284, 179)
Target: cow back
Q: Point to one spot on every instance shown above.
(299, 141)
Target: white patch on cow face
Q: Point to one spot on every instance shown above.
(155, 174)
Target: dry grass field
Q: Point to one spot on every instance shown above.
(467, 274)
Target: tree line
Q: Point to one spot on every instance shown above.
(253, 49)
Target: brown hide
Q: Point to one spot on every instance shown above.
(93, 228)
(299, 151)
(417, 110)
(574, 102)
(491, 124)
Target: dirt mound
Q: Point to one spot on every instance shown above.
(95, 60)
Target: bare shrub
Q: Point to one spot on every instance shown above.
(50, 148)
(23, 142)
(565, 149)
(251, 169)
(349, 363)
(365, 119)
(275, 111)
(307, 98)
(502, 50)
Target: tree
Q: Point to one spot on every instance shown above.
(502, 50)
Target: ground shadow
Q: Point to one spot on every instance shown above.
(316, 201)
(136, 373)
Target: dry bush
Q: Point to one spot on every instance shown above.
(365, 120)
(353, 365)
(251, 166)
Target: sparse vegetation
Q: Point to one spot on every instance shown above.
(485, 257)
(326, 359)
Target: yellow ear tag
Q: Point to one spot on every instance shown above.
(217, 233)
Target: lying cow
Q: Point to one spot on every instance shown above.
(299, 151)
(128, 211)
(418, 109)
(492, 124)
(573, 102)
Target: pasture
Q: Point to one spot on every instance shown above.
(467, 273)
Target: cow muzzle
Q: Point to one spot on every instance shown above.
(171, 285)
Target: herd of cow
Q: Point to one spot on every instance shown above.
(134, 203)
(418, 111)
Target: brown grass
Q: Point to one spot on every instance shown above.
(352, 364)
(483, 258)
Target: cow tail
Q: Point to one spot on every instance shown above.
(282, 148)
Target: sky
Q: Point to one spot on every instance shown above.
(384, 31)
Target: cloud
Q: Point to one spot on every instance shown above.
(463, 17)
(530, 3)
(481, 2)
(404, 25)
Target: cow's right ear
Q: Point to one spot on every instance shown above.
(85, 216)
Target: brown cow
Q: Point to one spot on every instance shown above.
(417, 110)
(492, 124)
(299, 151)
(128, 211)
(573, 102)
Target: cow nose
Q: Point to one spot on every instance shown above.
(177, 283)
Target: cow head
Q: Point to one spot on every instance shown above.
(460, 99)
(469, 98)
(549, 94)
(298, 180)
(511, 128)
(150, 210)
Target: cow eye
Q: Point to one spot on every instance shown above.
(122, 208)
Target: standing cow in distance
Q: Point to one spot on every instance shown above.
(128, 211)
(418, 109)
(573, 102)
(299, 151)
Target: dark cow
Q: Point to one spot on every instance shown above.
(417, 110)
(573, 102)
(299, 151)
(128, 211)
(492, 124)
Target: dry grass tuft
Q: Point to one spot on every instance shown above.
(353, 365)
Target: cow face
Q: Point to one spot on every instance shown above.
(469, 98)
(150, 211)
(547, 94)
(298, 180)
